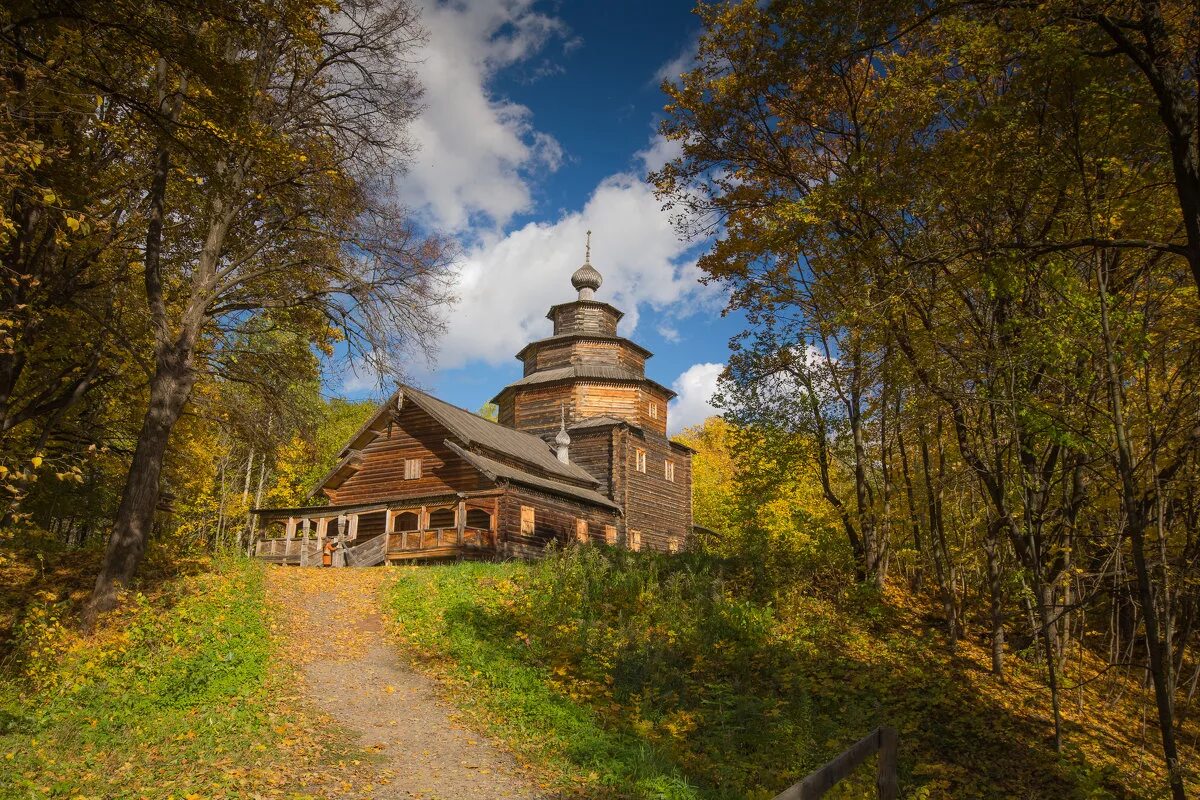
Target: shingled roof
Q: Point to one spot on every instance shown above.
(589, 336)
(584, 371)
(469, 429)
(494, 469)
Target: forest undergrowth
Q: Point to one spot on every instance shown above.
(639, 675)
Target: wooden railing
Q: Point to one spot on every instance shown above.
(408, 541)
(368, 554)
(881, 740)
(287, 550)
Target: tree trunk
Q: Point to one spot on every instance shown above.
(1135, 508)
(913, 515)
(995, 599)
(1049, 636)
(169, 391)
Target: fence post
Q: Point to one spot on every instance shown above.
(885, 779)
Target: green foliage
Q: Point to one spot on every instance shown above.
(303, 461)
(635, 673)
(171, 698)
(447, 613)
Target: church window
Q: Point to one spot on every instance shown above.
(412, 469)
(610, 534)
(669, 470)
(653, 410)
(635, 540)
(640, 456)
(673, 544)
(528, 520)
(581, 530)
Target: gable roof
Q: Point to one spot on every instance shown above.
(494, 469)
(469, 429)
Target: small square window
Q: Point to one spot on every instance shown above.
(528, 520)
(412, 469)
(610, 534)
(635, 540)
(669, 470)
(581, 530)
(640, 460)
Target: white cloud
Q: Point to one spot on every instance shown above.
(477, 151)
(683, 61)
(695, 388)
(659, 152)
(507, 284)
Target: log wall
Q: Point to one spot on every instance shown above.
(592, 449)
(414, 435)
(586, 317)
(554, 520)
(585, 352)
(659, 509)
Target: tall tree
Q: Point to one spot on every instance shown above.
(280, 141)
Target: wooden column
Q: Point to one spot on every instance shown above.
(461, 518)
(304, 542)
(291, 528)
(496, 524)
(389, 527)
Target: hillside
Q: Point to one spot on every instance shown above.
(608, 674)
(642, 676)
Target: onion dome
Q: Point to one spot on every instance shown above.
(563, 439)
(587, 279)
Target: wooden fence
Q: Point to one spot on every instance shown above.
(881, 740)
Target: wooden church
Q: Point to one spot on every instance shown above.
(579, 453)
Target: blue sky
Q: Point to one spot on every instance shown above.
(539, 125)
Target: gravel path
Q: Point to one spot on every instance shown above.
(354, 675)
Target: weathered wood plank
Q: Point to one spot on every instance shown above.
(882, 740)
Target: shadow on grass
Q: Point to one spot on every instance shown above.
(37, 570)
(703, 695)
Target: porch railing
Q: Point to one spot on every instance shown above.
(288, 550)
(438, 538)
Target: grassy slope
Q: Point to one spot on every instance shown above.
(645, 677)
(176, 696)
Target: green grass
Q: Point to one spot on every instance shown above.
(171, 698)
(643, 676)
(442, 611)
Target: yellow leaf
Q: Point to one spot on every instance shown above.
(36, 461)
(49, 196)
(72, 223)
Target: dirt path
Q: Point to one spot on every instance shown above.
(334, 630)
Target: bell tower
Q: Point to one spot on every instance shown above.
(583, 370)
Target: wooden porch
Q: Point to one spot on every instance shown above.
(397, 531)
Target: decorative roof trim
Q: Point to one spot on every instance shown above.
(609, 306)
(572, 373)
(595, 337)
(518, 445)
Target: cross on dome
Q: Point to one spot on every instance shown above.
(587, 279)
